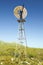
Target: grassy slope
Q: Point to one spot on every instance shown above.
(8, 51)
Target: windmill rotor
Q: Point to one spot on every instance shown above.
(20, 10)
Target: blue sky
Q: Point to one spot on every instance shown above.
(33, 25)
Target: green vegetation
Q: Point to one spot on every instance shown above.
(15, 54)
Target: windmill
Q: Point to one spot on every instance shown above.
(20, 12)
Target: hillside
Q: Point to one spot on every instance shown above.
(14, 54)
